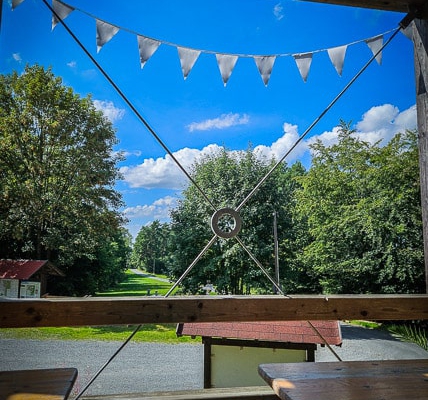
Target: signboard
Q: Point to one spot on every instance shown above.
(29, 290)
(9, 288)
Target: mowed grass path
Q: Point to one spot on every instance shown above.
(133, 285)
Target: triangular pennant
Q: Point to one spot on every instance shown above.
(226, 63)
(265, 66)
(303, 62)
(188, 58)
(337, 57)
(375, 44)
(105, 32)
(408, 31)
(61, 10)
(147, 47)
(16, 3)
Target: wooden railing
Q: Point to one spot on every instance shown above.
(139, 310)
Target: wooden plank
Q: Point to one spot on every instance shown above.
(238, 393)
(351, 380)
(389, 5)
(420, 41)
(39, 384)
(136, 310)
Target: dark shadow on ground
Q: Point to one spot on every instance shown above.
(359, 333)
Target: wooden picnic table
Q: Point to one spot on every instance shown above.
(349, 380)
(38, 384)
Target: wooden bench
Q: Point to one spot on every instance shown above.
(236, 393)
(350, 380)
(38, 384)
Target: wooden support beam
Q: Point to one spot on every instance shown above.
(420, 41)
(140, 310)
(420, 7)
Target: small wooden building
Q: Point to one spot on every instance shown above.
(233, 350)
(25, 278)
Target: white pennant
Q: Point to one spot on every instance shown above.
(375, 44)
(303, 62)
(62, 10)
(105, 32)
(337, 57)
(226, 63)
(265, 66)
(188, 58)
(147, 47)
(408, 31)
(16, 3)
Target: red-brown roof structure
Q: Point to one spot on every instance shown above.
(24, 269)
(277, 331)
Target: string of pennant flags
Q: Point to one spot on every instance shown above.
(188, 56)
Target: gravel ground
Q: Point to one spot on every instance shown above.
(142, 367)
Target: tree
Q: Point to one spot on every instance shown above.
(362, 206)
(57, 171)
(227, 178)
(150, 248)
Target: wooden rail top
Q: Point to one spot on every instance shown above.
(16, 313)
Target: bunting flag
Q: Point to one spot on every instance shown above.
(146, 47)
(265, 66)
(226, 62)
(16, 3)
(188, 58)
(337, 57)
(303, 62)
(105, 32)
(408, 32)
(60, 9)
(375, 44)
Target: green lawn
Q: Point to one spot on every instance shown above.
(133, 285)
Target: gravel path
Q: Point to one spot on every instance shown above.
(144, 367)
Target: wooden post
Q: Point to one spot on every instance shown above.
(420, 41)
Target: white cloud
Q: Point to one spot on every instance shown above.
(159, 209)
(278, 11)
(163, 171)
(130, 153)
(280, 147)
(222, 122)
(381, 122)
(110, 111)
(17, 57)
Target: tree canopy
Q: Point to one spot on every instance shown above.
(350, 224)
(57, 171)
(361, 202)
(227, 178)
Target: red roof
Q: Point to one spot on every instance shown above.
(19, 269)
(277, 331)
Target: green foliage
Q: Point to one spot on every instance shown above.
(57, 172)
(362, 207)
(150, 248)
(412, 333)
(227, 178)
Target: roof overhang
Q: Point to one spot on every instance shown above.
(419, 7)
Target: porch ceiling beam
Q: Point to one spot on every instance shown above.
(139, 310)
(404, 6)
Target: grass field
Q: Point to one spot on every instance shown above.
(133, 285)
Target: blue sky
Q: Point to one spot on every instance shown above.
(199, 114)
